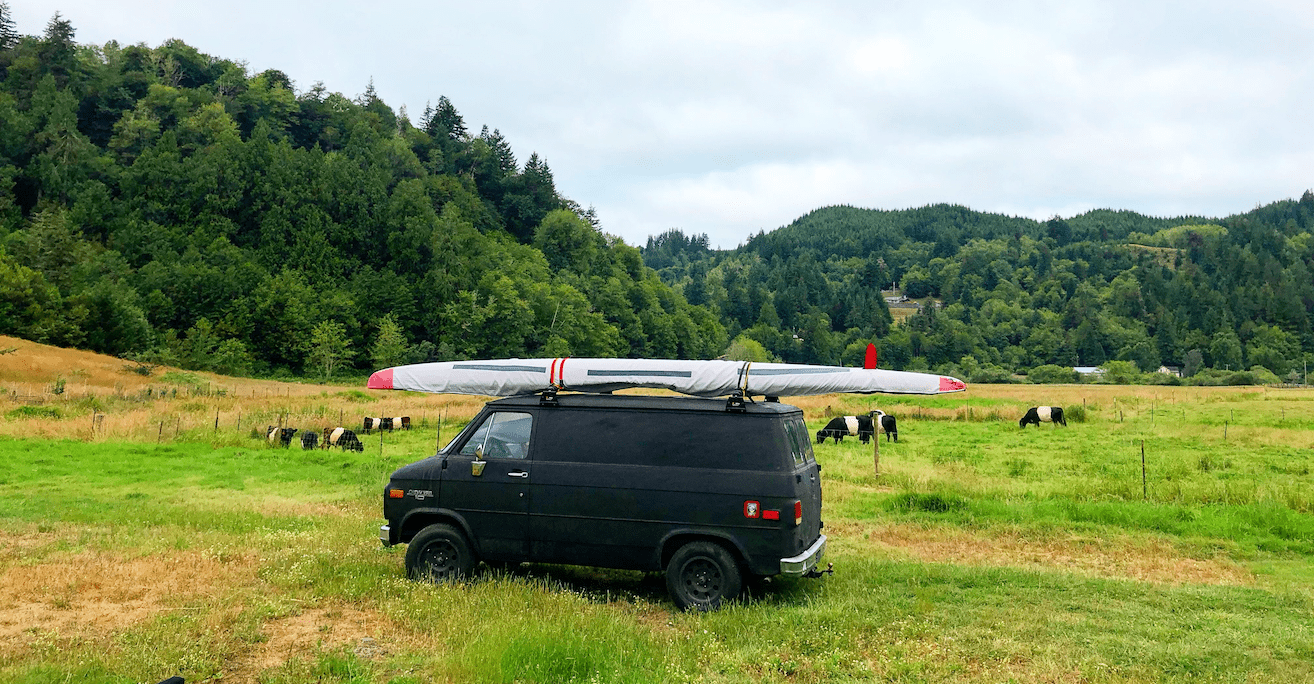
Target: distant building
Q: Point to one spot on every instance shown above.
(1089, 370)
(1170, 370)
(897, 299)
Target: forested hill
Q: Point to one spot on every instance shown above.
(166, 204)
(1003, 294)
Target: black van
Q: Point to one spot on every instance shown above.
(706, 490)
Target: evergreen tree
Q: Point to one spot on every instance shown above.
(9, 36)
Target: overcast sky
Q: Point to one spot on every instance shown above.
(727, 118)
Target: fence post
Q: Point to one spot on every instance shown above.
(1145, 491)
(876, 451)
(160, 438)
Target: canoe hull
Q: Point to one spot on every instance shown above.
(509, 377)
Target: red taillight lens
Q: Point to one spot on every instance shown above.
(396, 493)
(770, 515)
(752, 509)
(798, 512)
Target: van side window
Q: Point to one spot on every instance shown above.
(502, 435)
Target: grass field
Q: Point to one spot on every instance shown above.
(980, 553)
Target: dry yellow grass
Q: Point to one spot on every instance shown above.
(89, 594)
(95, 383)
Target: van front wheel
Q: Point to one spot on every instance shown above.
(439, 553)
(702, 575)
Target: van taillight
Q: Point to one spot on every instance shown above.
(798, 512)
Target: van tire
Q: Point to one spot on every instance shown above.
(439, 553)
(702, 575)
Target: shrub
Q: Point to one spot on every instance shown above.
(1121, 372)
(34, 412)
(1049, 374)
(356, 396)
(1075, 414)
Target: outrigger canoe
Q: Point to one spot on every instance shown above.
(510, 377)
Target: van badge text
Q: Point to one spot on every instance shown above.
(420, 494)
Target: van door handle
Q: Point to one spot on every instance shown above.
(518, 473)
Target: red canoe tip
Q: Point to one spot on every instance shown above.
(381, 379)
(870, 361)
(951, 384)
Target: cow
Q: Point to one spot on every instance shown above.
(401, 423)
(875, 422)
(343, 439)
(372, 424)
(1043, 414)
(884, 424)
(309, 440)
(278, 436)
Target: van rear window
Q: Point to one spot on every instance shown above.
(800, 445)
(651, 438)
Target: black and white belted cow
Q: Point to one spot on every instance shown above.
(279, 436)
(863, 427)
(309, 440)
(389, 424)
(1043, 414)
(343, 439)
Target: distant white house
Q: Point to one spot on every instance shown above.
(1089, 370)
(1170, 370)
(896, 299)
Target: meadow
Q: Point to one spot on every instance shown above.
(151, 542)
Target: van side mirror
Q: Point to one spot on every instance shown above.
(479, 453)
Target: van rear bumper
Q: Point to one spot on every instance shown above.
(800, 564)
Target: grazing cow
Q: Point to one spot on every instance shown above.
(343, 439)
(884, 424)
(846, 426)
(309, 440)
(389, 424)
(397, 423)
(279, 436)
(875, 422)
(1043, 414)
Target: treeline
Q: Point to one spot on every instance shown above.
(1001, 295)
(164, 204)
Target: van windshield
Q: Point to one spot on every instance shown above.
(799, 444)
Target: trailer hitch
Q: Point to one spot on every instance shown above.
(815, 573)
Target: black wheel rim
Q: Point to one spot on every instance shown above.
(439, 559)
(702, 580)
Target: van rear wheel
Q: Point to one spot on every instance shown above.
(439, 553)
(702, 575)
